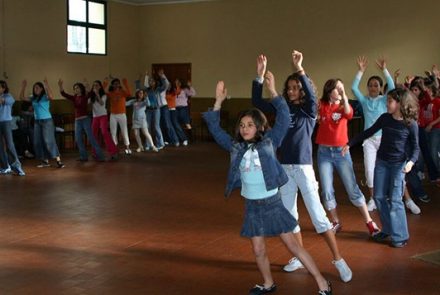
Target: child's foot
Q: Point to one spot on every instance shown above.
(328, 291)
(336, 227)
(380, 237)
(371, 205)
(127, 151)
(60, 164)
(260, 289)
(293, 265)
(345, 272)
(43, 164)
(6, 170)
(399, 244)
(139, 149)
(155, 149)
(425, 199)
(373, 229)
(412, 207)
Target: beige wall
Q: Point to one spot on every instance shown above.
(221, 39)
(35, 44)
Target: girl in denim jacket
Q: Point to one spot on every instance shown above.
(256, 170)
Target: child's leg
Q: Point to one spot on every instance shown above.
(148, 138)
(123, 125)
(305, 258)
(114, 128)
(399, 225)
(259, 248)
(381, 183)
(109, 143)
(138, 138)
(325, 167)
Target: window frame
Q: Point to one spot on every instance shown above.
(87, 25)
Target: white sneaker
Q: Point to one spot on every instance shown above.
(344, 271)
(412, 207)
(185, 142)
(371, 205)
(293, 265)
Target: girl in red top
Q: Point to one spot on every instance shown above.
(334, 113)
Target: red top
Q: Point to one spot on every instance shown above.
(429, 111)
(79, 103)
(171, 100)
(332, 130)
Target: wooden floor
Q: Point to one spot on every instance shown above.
(157, 223)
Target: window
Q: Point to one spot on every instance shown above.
(86, 27)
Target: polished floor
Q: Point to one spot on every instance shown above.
(157, 223)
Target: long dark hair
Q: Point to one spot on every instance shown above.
(378, 79)
(82, 88)
(295, 77)
(43, 92)
(260, 122)
(111, 87)
(101, 92)
(4, 85)
(409, 106)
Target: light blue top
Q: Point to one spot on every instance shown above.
(41, 108)
(6, 107)
(138, 109)
(372, 107)
(252, 179)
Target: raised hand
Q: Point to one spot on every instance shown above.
(270, 83)
(396, 74)
(297, 59)
(60, 83)
(381, 63)
(409, 79)
(362, 63)
(24, 83)
(435, 71)
(161, 72)
(220, 95)
(261, 65)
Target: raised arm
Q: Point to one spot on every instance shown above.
(311, 105)
(348, 110)
(362, 63)
(165, 83)
(48, 89)
(212, 119)
(282, 118)
(382, 64)
(22, 91)
(127, 87)
(257, 87)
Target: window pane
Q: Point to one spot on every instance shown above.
(77, 10)
(76, 39)
(96, 13)
(96, 41)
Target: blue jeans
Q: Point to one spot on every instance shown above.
(168, 126)
(153, 120)
(8, 149)
(434, 146)
(180, 133)
(81, 125)
(330, 159)
(45, 145)
(414, 183)
(426, 156)
(183, 115)
(388, 191)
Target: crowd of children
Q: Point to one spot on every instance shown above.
(401, 135)
(32, 131)
(269, 165)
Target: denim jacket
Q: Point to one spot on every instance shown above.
(273, 173)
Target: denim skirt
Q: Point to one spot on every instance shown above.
(266, 217)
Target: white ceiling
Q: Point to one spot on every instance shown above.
(157, 2)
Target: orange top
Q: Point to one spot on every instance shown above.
(118, 97)
(171, 100)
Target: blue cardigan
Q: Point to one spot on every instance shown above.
(273, 173)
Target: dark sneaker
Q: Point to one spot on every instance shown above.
(380, 237)
(328, 291)
(425, 199)
(60, 164)
(43, 164)
(18, 170)
(258, 289)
